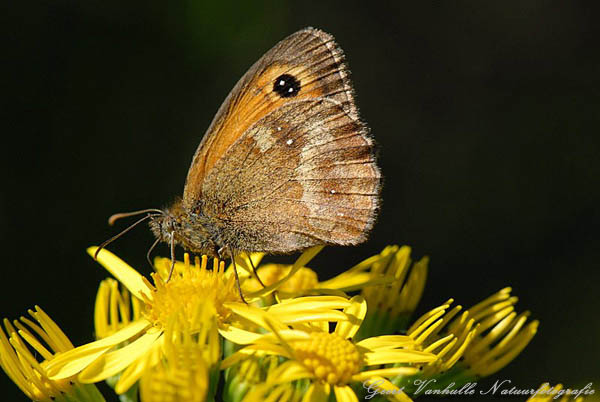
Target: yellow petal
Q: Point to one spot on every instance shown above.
(123, 272)
(366, 264)
(344, 394)
(449, 361)
(310, 309)
(318, 326)
(260, 339)
(307, 303)
(484, 305)
(300, 262)
(114, 362)
(256, 394)
(288, 372)
(280, 394)
(317, 392)
(67, 366)
(137, 368)
(356, 314)
(386, 342)
(313, 316)
(398, 356)
(350, 282)
(34, 342)
(426, 319)
(101, 308)
(259, 350)
(69, 363)
(56, 337)
(239, 336)
(512, 350)
(289, 335)
(253, 314)
(385, 372)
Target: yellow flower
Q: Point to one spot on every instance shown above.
(27, 372)
(184, 372)
(286, 392)
(331, 360)
(312, 344)
(305, 279)
(485, 338)
(367, 273)
(546, 393)
(114, 308)
(250, 376)
(500, 336)
(449, 348)
(392, 303)
(132, 348)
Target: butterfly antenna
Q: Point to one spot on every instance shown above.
(115, 237)
(113, 218)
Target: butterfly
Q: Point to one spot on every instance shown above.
(286, 163)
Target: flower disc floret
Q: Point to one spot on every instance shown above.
(331, 358)
(188, 289)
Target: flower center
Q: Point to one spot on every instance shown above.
(330, 357)
(189, 288)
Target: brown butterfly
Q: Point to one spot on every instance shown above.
(285, 164)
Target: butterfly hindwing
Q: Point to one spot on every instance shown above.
(304, 174)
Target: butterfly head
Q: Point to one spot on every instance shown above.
(167, 224)
(178, 226)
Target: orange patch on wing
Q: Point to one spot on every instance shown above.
(257, 100)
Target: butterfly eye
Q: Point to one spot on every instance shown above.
(286, 86)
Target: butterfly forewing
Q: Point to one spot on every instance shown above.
(310, 57)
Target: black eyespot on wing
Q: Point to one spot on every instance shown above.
(286, 86)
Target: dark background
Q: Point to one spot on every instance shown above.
(486, 116)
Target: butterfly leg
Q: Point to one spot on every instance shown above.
(172, 256)
(256, 272)
(150, 252)
(237, 278)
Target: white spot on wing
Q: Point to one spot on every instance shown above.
(264, 138)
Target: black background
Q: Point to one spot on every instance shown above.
(486, 116)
